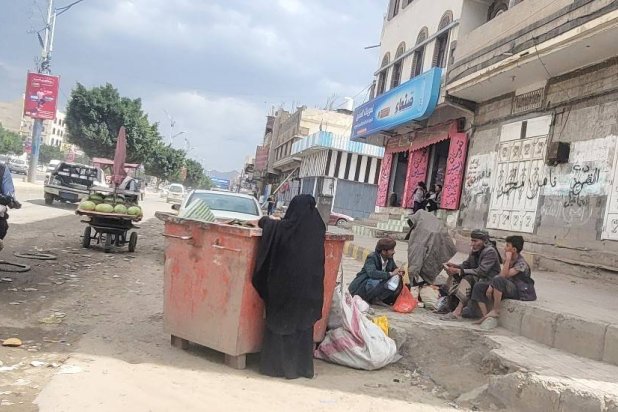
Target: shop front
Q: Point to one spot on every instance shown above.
(434, 156)
(423, 139)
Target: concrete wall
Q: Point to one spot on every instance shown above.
(573, 199)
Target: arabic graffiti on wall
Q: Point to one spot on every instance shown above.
(478, 178)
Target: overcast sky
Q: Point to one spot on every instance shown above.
(216, 66)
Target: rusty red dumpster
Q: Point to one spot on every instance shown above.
(208, 295)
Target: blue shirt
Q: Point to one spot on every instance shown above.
(8, 188)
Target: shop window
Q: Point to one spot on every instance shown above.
(440, 53)
(419, 54)
(397, 67)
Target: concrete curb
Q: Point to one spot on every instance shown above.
(578, 336)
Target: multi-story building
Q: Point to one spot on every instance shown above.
(53, 133)
(283, 165)
(348, 171)
(543, 76)
(424, 131)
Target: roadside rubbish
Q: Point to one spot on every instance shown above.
(382, 322)
(359, 343)
(12, 342)
(405, 302)
(35, 255)
(38, 364)
(53, 319)
(13, 268)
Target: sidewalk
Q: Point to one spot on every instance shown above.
(573, 314)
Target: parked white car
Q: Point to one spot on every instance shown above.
(175, 193)
(225, 205)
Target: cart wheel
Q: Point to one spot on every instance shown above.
(87, 237)
(132, 242)
(109, 241)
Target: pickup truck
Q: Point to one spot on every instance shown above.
(70, 182)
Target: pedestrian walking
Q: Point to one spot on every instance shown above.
(289, 277)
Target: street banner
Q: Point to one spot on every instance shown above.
(41, 98)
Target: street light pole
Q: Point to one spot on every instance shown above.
(44, 67)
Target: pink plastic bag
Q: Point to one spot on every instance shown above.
(405, 302)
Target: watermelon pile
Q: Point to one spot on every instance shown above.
(111, 204)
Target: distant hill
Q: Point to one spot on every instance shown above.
(231, 176)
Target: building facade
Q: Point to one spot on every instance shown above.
(53, 133)
(283, 166)
(542, 160)
(424, 131)
(334, 165)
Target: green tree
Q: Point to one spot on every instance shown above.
(10, 142)
(49, 153)
(94, 117)
(196, 178)
(165, 162)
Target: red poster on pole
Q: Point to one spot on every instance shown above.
(41, 96)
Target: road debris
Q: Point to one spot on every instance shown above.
(12, 342)
(53, 319)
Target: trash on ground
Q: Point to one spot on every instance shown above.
(372, 349)
(38, 364)
(12, 342)
(53, 319)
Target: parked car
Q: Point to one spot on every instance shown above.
(338, 219)
(175, 193)
(225, 205)
(51, 167)
(18, 166)
(71, 182)
(164, 192)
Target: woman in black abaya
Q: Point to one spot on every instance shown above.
(289, 276)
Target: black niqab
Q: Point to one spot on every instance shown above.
(289, 272)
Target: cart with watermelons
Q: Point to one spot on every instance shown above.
(110, 218)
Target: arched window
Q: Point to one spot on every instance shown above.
(419, 54)
(393, 9)
(397, 67)
(497, 8)
(383, 74)
(440, 53)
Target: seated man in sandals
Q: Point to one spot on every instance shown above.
(379, 282)
(481, 266)
(513, 282)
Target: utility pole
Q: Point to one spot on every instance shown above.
(43, 67)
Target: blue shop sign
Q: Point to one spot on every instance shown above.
(415, 99)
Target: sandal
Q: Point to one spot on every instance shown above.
(450, 316)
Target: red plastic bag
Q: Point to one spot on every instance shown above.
(405, 302)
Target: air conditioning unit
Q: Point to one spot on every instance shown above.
(558, 153)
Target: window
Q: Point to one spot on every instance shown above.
(419, 54)
(441, 49)
(397, 67)
(382, 76)
(227, 203)
(497, 8)
(394, 8)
